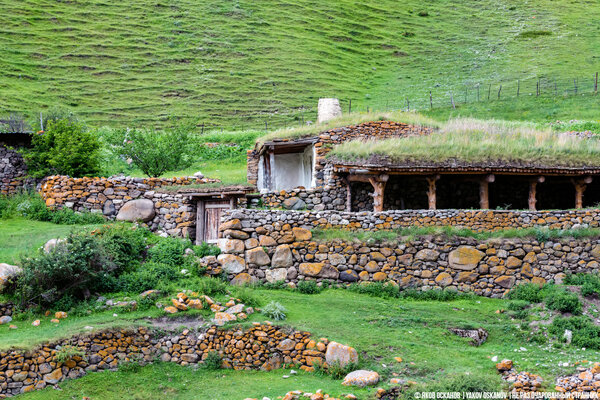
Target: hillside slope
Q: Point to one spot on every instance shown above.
(240, 63)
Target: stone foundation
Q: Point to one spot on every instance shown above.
(262, 346)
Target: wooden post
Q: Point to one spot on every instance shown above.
(348, 194)
(596, 84)
(350, 106)
(431, 192)
(484, 191)
(452, 100)
(518, 87)
(430, 101)
(378, 184)
(272, 169)
(580, 186)
(499, 90)
(532, 201)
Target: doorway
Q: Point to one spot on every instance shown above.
(208, 219)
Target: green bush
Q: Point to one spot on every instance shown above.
(275, 311)
(154, 152)
(527, 292)
(585, 333)
(64, 148)
(564, 301)
(213, 361)
(149, 275)
(75, 268)
(206, 249)
(308, 287)
(126, 244)
(169, 251)
(211, 286)
(518, 305)
(590, 283)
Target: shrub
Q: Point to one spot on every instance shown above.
(149, 276)
(206, 249)
(65, 148)
(590, 283)
(528, 292)
(585, 333)
(67, 353)
(308, 287)
(247, 296)
(564, 301)
(275, 311)
(518, 305)
(213, 361)
(75, 268)
(211, 286)
(168, 251)
(154, 152)
(127, 245)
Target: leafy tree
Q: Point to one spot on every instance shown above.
(64, 148)
(154, 152)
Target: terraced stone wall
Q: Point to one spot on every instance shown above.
(277, 246)
(263, 346)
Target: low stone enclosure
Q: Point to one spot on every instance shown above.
(12, 172)
(262, 346)
(278, 246)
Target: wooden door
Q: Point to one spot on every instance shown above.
(209, 218)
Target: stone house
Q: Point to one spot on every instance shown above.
(298, 174)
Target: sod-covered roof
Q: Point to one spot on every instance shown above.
(475, 146)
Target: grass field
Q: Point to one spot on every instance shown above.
(19, 236)
(242, 63)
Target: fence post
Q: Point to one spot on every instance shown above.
(350, 106)
(407, 104)
(430, 101)
(537, 88)
(596, 84)
(489, 91)
(202, 132)
(266, 127)
(478, 92)
(452, 101)
(575, 84)
(466, 94)
(518, 86)
(499, 90)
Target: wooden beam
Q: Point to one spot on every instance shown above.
(431, 191)
(378, 184)
(580, 186)
(484, 194)
(532, 195)
(348, 194)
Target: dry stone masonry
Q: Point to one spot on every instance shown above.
(263, 346)
(128, 198)
(12, 171)
(277, 246)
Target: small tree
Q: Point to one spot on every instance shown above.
(64, 148)
(154, 152)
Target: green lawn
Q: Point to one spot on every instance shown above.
(243, 63)
(19, 236)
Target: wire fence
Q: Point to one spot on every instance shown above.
(434, 99)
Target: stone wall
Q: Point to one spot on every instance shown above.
(12, 172)
(262, 346)
(174, 213)
(276, 245)
(330, 190)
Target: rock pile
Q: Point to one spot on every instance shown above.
(585, 381)
(520, 381)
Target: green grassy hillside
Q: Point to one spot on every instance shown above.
(240, 63)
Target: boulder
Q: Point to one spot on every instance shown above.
(257, 256)
(311, 269)
(276, 275)
(427, 255)
(477, 336)
(444, 279)
(8, 272)
(465, 258)
(243, 279)
(137, 210)
(282, 258)
(232, 263)
(361, 378)
(52, 243)
(294, 203)
(340, 354)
